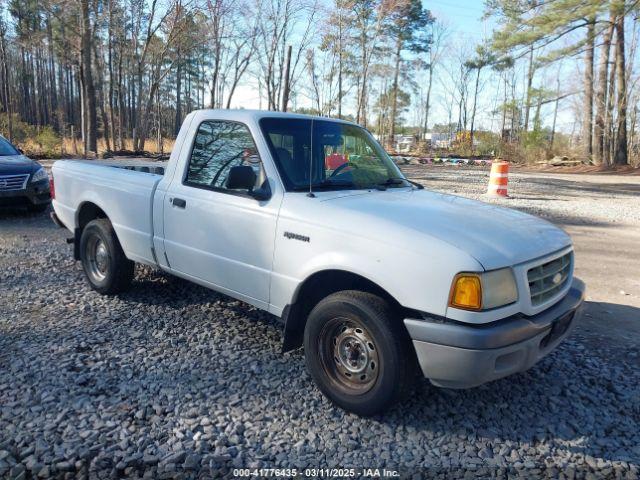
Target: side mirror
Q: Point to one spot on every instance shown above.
(243, 177)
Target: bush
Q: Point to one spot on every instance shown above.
(48, 142)
(34, 141)
(532, 147)
(489, 143)
(20, 131)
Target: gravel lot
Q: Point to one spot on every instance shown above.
(172, 380)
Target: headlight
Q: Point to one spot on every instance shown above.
(482, 291)
(499, 288)
(40, 175)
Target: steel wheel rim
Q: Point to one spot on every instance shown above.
(97, 256)
(349, 355)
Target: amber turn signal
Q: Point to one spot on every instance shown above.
(466, 292)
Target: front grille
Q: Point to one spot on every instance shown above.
(546, 280)
(13, 182)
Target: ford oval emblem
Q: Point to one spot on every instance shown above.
(3, 182)
(556, 278)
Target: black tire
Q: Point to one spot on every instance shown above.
(105, 265)
(357, 376)
(38, 208)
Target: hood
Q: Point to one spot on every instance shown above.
(17, 164)
(495, 236)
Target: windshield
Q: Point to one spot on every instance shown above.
(344, 156)
(6, 148)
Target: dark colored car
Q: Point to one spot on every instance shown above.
(23, 182)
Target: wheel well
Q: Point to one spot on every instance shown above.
(88, 211)
(315, 288)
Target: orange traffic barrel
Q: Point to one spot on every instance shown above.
(498, 179)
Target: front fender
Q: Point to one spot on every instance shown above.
(416, 280)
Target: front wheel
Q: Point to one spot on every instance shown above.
(357, 352)
(105, 265)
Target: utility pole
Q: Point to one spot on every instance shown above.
(287, 80)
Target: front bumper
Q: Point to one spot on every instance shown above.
(456, 355)
(36, 193)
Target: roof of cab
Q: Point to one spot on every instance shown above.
(255, 115)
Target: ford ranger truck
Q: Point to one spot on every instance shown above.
(376, 277)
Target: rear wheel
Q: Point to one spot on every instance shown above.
(105, 265)
(357, 352)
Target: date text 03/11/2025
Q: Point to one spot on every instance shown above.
(316, 472)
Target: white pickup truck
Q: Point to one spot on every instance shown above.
(309, 219)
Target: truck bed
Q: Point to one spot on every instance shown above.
(137, 164)
(124, 191)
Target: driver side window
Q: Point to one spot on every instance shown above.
(220, 145)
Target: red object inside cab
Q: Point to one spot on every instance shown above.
(334, 160)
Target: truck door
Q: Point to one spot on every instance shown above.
(218, 236)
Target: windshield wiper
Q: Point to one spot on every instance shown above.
(325, 184)
(398, 181)
(392, 181)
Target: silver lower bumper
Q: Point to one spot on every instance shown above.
(464, 356)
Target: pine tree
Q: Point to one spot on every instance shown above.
(407, 28)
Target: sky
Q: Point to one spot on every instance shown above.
(464, 15)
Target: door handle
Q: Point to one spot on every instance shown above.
(179, 202)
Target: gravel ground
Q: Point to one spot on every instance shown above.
(172, 380)
(564, 198)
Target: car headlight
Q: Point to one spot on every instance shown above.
(483, 291)
(40, 175)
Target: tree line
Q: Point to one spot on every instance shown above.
(123, 72)
(116, 69)
(543, 32)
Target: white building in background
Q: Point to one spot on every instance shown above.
(404, 143)
(439, 140)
